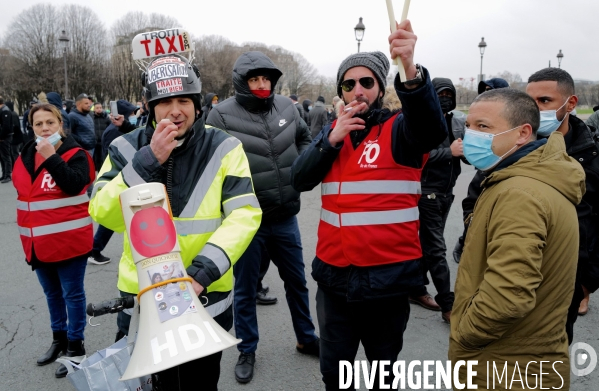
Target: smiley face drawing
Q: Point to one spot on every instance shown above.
(152, 232)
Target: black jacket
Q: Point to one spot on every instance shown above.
(101, 122)
(318, 118)
(582, 145)
(442, 169)
(71, 176)
(300, 109)
(208, 106)
(416, 131)
(6, 123)
(272, 134)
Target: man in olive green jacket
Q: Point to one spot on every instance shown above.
(516, 276)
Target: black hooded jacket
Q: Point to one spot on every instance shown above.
(271, 131)
(208, 106)
(442, 168)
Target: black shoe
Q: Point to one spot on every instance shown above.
(458, 249)
(312, 348)
(244, 369)
(262, 299)
(76, 353)
(96, 258)
(5, 180)
(59, 345)
(265, 288)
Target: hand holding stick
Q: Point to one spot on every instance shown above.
(393, 25)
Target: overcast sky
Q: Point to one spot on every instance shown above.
(522, 35)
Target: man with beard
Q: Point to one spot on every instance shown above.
(82, 124)
(370, 162)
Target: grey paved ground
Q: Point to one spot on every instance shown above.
(25, 331)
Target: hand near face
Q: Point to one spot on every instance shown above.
(163, 141)
(457, 148)
(45, 148)
(346, 122)
(402, 43)
(118, 120)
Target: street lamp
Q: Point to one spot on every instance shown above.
(359, 31)
(64, 42)
(560, 55)
(481, 46)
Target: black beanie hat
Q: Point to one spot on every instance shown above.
(377, 62)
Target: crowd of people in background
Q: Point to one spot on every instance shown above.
(387, 175)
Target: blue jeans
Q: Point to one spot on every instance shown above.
(101, 238)
(62, 283)
(283, 243)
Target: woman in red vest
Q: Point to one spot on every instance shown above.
(51, 177)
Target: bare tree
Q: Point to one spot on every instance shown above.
(215, 56)
(125, 76)
(32, 41)
(87, 54)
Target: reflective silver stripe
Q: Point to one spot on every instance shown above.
(53, 204)
(97, 187)
(197, 227)
(125, 148)
(329, 217)
(208, 176)
(131, 177)
(329, 188)
(379, 217)
(380, 187)
(217, 256)
(22, 205)
(221, 306)
(240, 202)
(25, 231)
(61, 227)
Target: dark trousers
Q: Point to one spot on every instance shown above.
(433, 216)
(101, 238)
(282, 241)
(573, 311)
(6, 156)
(198, 375)
(264, 265)
(14, 153)
(378, 324)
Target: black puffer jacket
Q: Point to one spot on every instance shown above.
(272, 134)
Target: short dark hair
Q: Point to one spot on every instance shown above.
(98, 103)
(80, 97)
(565, 83)
(1, 100)
(519, 108)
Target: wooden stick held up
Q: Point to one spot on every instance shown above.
(392, 23)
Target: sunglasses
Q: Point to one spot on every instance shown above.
(349, 84)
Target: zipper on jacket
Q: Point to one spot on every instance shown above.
(272, 148)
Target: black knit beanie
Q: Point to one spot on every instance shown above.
(377, 62)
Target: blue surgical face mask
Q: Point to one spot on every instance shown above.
(549, 121)
(477, 149)
(52, 139)
(133, 119)
(309, 108)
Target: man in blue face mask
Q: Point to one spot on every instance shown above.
(553, 91)
(516, 276)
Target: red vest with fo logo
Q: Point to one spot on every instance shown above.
(55, 223)
(369, 210)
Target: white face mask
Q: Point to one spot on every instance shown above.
(52, 139)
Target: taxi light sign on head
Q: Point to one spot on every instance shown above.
(162, 42)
